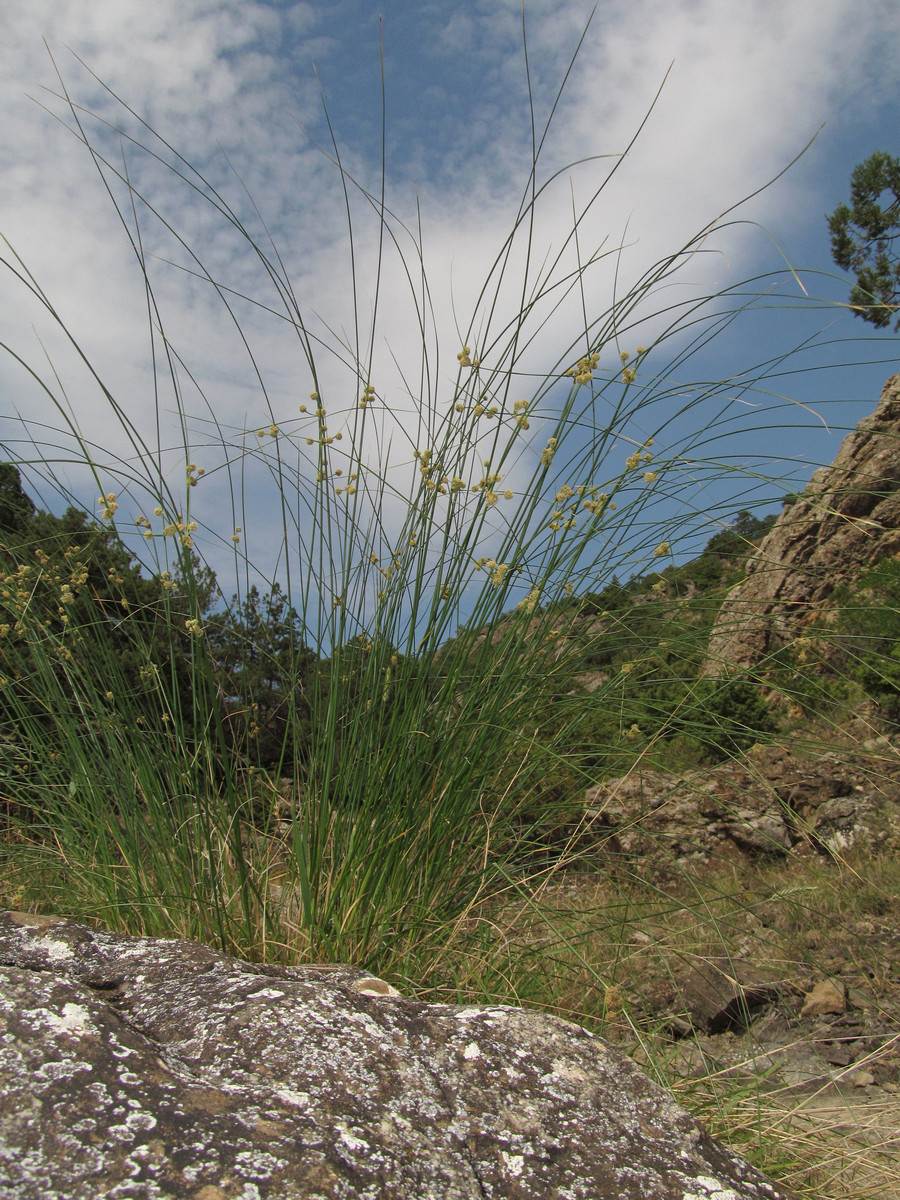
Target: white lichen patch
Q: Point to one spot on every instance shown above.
(365, 1023)
(469, 1014)
(712, 1190)
(117, 1050)
(472, 1051)
(59, 1070)
(289, 1096)
(137, 1121)
(56, 951)
(350, 1140)
(258, 1164)
(74, 1020)
(568, 1071)
(496, 1014)
(268, 994)
(515, 1163)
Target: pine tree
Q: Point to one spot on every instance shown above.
(863, 235)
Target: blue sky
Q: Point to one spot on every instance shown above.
(749, 84)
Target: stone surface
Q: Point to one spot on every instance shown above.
(826, 997)
(721, 994)
(847, 518)
(142, 1068)
(771, 801)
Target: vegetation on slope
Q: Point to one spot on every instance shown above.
(361, 759)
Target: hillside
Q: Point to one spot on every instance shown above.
(601, 807)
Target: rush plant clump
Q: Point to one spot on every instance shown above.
(411, 522)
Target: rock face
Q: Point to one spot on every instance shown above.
(154, 1069)
(769, 802)
(847, 518)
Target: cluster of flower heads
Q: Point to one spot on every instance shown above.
(531, 601)
(563, 517)
(350, 487)
(584, 496)
(485, 405)
(628, 373)
(69, 574)
(641, 457)
(17, 587)
(481, 409)
(435, 481)
(583, 371)
(431, 472)
(179, 528)
(497, 571)
(108, 505)
(487, 486)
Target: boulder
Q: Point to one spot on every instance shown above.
(719, 993)
(847, 518)
(152, 1069)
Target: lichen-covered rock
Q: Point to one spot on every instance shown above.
(847, 518)
(150, 1069)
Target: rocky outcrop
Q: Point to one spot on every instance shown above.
(136, 1067)
(847, 518)
(769, 802)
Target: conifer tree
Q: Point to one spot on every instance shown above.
(863, 236)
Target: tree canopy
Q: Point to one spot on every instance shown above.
(863, 236)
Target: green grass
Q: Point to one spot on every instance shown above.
(418, 816)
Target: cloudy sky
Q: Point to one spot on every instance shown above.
(237, 89)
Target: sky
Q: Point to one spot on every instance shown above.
(432, 101)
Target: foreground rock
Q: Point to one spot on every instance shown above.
(153, 1069)
(847, 519)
